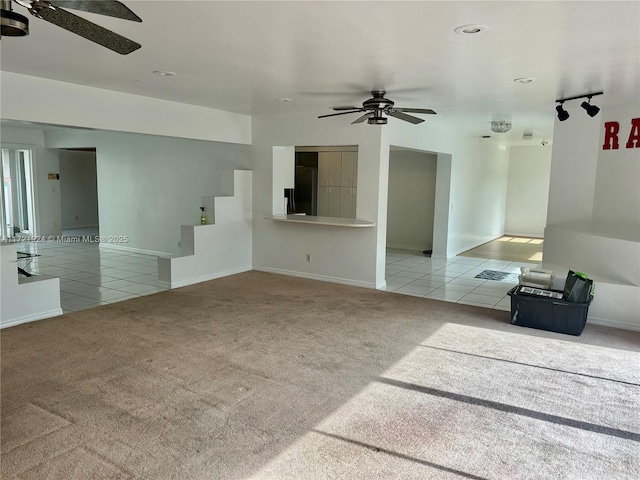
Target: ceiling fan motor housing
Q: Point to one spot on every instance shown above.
(13, 24)
(378, 102)
(375, 120)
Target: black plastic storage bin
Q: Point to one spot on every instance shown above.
(548, 313)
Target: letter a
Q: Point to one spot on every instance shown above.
(634, 134)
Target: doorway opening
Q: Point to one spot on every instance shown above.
(79, 192)
(411, 200)
(17, 202)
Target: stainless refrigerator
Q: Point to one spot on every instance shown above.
(305, 193)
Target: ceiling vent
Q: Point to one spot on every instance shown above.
(527, 135)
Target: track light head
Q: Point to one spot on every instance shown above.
(592, 110)
(562, 113)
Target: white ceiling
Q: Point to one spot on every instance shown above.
(243, 56)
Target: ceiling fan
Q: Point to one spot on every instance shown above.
(375, 108)
(16, 25)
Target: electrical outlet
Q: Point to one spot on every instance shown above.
(308, 257)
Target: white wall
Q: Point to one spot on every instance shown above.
(528, 190)
(605, 202)
(616, 202)
(78, 189)
(475, 197)
(478, 179)
(59, 103)
(593, 215)
(573, 167)
(148, 186)
(412, 193)
(25, 299)
(47, 192)
(340, 254)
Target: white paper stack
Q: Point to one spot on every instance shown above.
(536, 278)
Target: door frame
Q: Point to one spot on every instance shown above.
(33, 186)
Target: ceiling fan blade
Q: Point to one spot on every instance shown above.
(89, 30)
(111, 8)
(415, 110)
(346, 108)
(361, 119)
(341, 113)
(405, 117)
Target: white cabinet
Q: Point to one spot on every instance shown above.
(349, 169)
(337, 182)
(323, 201)
(329, 202)
(348, 202)
(329, 169)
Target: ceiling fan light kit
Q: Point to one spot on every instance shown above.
(378, 108)
(15, 25)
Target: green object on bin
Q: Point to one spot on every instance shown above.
(583, 276)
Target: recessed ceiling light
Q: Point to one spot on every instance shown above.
(165, 73)
(285, 100)
(524, 79)
(470, 29)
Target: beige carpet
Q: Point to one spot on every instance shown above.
(260, 376)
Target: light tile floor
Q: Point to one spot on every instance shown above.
(451, 280)
(89, 276)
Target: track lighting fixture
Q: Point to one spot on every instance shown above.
(562, 113)
(591, 110)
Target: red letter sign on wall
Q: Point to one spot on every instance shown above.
(611, 130)
(634, 134)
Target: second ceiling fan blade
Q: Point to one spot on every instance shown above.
(341, 113)
(110, 8)
(361, 119)
(415, 110)
(405, 117)
(89, 30)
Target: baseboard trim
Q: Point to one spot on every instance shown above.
(31, 318)
(206, 278)
(476, 245)
(142, 251)
(312, 276)
(526, 235)
(75, 227)
(411, 248)
(614, 324)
